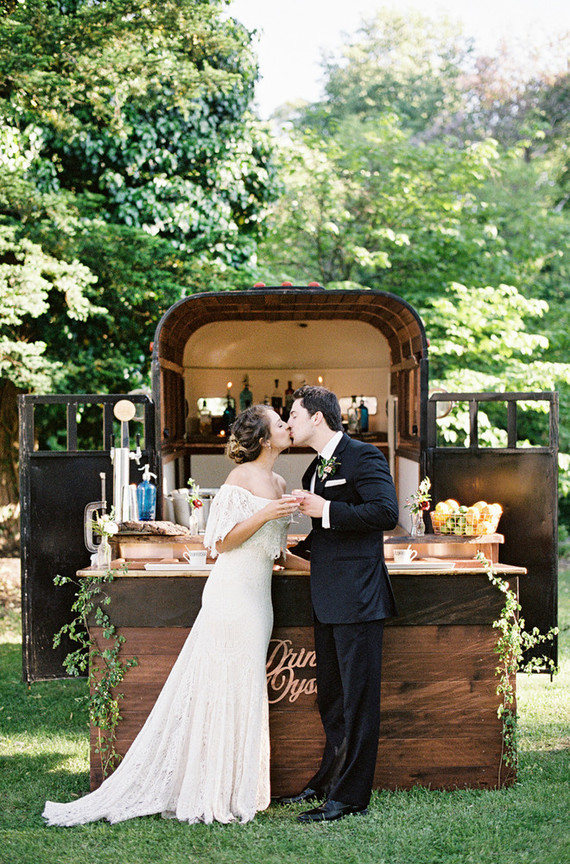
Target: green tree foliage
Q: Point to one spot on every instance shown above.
(517, 94)
(402, 63)
(142, 108)
(133, 116)
(131, 173)
(33, 283)
(372, 206)
(393, 182)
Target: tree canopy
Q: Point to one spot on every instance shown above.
(133, 116)
(441, 176)
(132, 172)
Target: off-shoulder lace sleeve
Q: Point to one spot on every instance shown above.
(231, 505)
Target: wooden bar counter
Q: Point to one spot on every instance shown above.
(439, 724)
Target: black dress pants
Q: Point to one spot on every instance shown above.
(349, 663)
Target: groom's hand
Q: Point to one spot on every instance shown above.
(312, 505)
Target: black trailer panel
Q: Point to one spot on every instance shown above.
(524, 480)
(55, 486)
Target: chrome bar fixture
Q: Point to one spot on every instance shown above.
(124, 502)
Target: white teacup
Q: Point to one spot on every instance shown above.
(404, 556)
(196, 557)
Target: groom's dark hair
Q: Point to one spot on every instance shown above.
(315, 399)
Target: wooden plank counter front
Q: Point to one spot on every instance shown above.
(439, 724)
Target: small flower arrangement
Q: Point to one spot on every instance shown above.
(327, 467)
(104, 525)
(420, 500)
(194, 495)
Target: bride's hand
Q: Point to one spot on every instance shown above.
(284, 506)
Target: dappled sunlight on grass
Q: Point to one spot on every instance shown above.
(10, 628)
(543, 702)
(45, 751)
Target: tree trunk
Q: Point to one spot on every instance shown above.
(9, 485)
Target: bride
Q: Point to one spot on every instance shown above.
(203, 752)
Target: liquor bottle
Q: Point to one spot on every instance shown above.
(229, 414)
(288, 400)
(277, 399)
(246, 396)
(363, 416)
(352, 415)
(205, 419)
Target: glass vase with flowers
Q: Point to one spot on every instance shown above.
(104, 526)
(195, 502)
(416, 504)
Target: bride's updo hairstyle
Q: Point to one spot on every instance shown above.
(244, 443)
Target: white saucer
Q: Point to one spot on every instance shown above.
(178, 568)
(420, 565)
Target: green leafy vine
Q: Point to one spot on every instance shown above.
(513, 643)
(105, 667)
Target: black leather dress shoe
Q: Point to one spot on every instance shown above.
(307, 795)
(330, 811)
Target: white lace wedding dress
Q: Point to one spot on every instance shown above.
(203, 753)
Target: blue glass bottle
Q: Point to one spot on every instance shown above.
(363, 415)
(146, 496)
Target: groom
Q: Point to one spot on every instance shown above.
(351, 500)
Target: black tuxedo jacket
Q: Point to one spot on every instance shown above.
(349, 579)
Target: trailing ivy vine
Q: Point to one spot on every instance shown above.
(105, 667)
(512, 645)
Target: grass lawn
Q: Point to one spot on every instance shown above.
(44, 754)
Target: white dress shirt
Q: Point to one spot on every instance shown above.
(326, 453)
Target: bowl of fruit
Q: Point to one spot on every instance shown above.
(451, 517)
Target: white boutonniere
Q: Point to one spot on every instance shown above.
(327, 467)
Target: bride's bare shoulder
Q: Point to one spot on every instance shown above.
(281, 484)
(239, 476)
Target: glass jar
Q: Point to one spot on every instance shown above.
(352, 416)
(193, 521)
(418, 525)
(104, 554)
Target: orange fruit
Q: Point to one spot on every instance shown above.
(485, 512)
(485, 527)
(480, 504)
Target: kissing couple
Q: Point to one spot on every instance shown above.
(203, 752)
